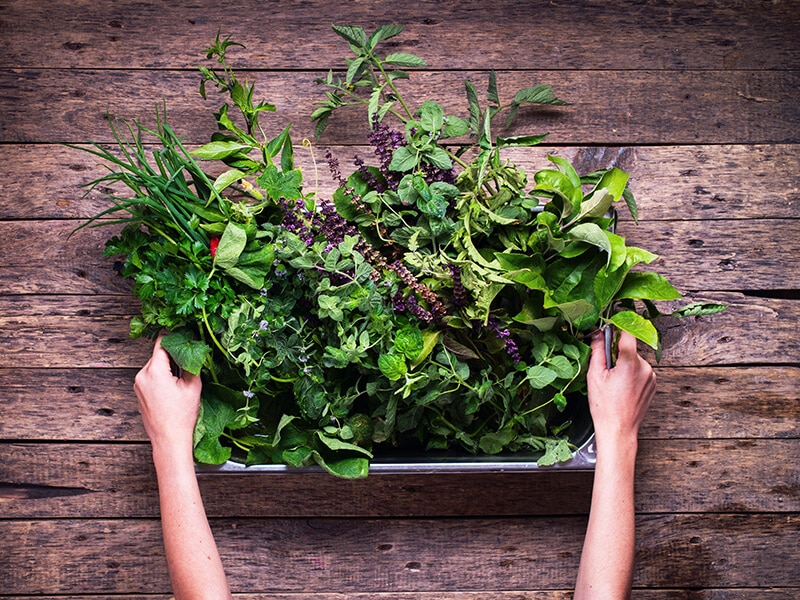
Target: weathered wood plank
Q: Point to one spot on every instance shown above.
(612, 108)
(39, 257)
(707, 35)
(637, 594)
(694, 403)
(697, 551)
(670, 182)
(689, 476)
(70, 339)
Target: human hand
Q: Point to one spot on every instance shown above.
(620, 396)
(169, 404)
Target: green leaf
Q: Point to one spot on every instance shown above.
(220, 150)
(404, 59)
(188, 354)
(404, 159)
(439, 158)
(431, 116)
(231, 245)
(393, 366)
(339, 445)
(491, 93)
(637, 326)
(520, 141)
(455, 127)
(227, 179)
(566, 167)
(538, 94)
(352, 34)
(494, 443)
(346, 468)
(555, 451)
(409, 342)
(384, 32)
(540, 377)
(596, 204)
(352, 70)
(591, 234)
(474, 108)
(614, 180)
(697, 309)
(279, 185)
(649, 286)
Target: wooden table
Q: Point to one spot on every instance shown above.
(697, 99)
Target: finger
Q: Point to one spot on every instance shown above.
(190, 380)
(160, 358)
(598, 357)
(627, 346)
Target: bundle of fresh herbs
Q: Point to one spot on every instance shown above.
(438, 300)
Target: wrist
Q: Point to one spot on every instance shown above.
(172, 455)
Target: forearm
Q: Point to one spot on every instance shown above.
(606, 567)
(192, 557)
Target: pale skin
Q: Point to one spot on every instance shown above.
(618, 400)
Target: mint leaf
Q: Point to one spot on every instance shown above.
(637, 326)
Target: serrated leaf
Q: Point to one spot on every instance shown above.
(404, 159)
(538, 94)
(404, 59)
(393, 366)
(352, 34)
(520, 141)
(384, 32)
(491, 93)
(474, 108)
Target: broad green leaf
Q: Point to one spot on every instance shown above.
(230, 247)
(563, 367)
(566, 167)
(431, 116)
(393, 366)
(474, 108)
(634, 256)
(575, 311)
(637, 326)
(220, 150)
(250, 276)
(188, 354)
(619, 252)
(614, 180)
(227, 179)
(591, 234)
(439, 158)
(455, 127)
(404, 159)
(495, 442)
(214, 417)
(650, 286)
(596, 204)
(540, 377)
(404, 59)
(347, 468)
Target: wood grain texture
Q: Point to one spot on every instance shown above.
(347, 556)
(450, 35)
(690, 403)
(608, 107)
(637, 594)
(97, 481)
(670, 182)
